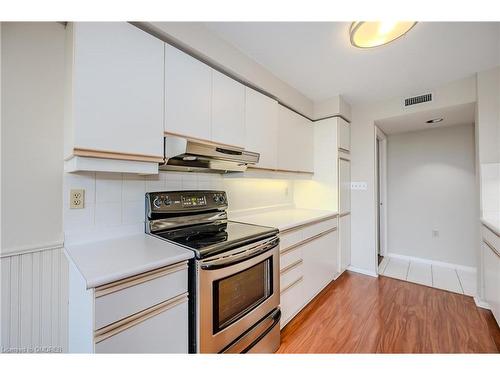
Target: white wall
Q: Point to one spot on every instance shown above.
(33, 287)
(363, 136)
(431, 186)
(32, 147)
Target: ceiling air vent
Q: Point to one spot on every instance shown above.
(418, 99)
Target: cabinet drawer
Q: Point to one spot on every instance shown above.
(291, 273)
(318, 228)
(292, 300)
(289, 239)
(126, 297)
(289, 257)
(159, 330)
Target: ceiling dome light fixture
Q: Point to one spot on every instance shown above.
(374, 34)
(434, 120)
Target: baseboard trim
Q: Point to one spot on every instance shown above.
(432, 262)
(362, 271)
(480, 303)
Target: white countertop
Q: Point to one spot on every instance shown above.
(492, 221)
(103, 262)
(283, 219)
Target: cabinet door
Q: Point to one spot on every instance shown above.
(344, 186)
(166, 332)
(344, 135)
(345, 241)
(261, 127)
(320, 260)
(228, 110)
(117, 88)
(295, 141)
(491, 272)
(188, 91)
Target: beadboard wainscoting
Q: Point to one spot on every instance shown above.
(34, 302)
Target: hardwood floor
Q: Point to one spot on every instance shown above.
(362, 314)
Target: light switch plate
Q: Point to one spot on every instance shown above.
(359, 186)
(77, 198)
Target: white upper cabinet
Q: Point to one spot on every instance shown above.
(188, 95)
(261, 127)
(114, 93)
(344, 135)
(295, 142)
(228, 110)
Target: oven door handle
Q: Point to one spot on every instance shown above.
(251, 337)
(238, 258)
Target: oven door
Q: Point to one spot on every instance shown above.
(235, 293)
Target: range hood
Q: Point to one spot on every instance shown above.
(188, 155)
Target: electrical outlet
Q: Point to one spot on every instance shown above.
(359, 185)
(77, 198)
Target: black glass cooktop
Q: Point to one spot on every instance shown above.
(211, 239)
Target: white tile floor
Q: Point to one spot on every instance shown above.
(447, 278)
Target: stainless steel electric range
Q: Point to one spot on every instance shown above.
(234, 277)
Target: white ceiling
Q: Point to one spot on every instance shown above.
(318, 60)
(456, 115)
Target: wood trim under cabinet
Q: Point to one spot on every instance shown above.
(291, 285)
(205, 141)
(138, 279)
(103, 154)
(492, 248)
(135, 319)
(301, 226)
(290, 267)
(278, 170)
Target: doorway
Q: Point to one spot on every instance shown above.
(381, 193)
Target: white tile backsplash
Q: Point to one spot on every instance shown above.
(114, 200)
(108, 214)
(108, 187)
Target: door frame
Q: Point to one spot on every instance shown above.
(381, 159)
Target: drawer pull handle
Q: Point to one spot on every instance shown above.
(288, 249)
(288, 287)
(138, 279)
(497, 253)
(131, 321)
(291, 266)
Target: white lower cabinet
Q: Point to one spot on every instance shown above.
(145, 313)
(491, 277)
(344, 241)
(308, 263)
(163, 332)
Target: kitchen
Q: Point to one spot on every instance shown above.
(194, 201)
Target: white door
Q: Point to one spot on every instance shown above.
(344, 186)
(166, 332)
(228, 110)
(188, 92)
(117, 88)
(344, 135)
(261, 127)
(345, 241)
(295, 141)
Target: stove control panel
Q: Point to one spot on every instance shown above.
(184, 201)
